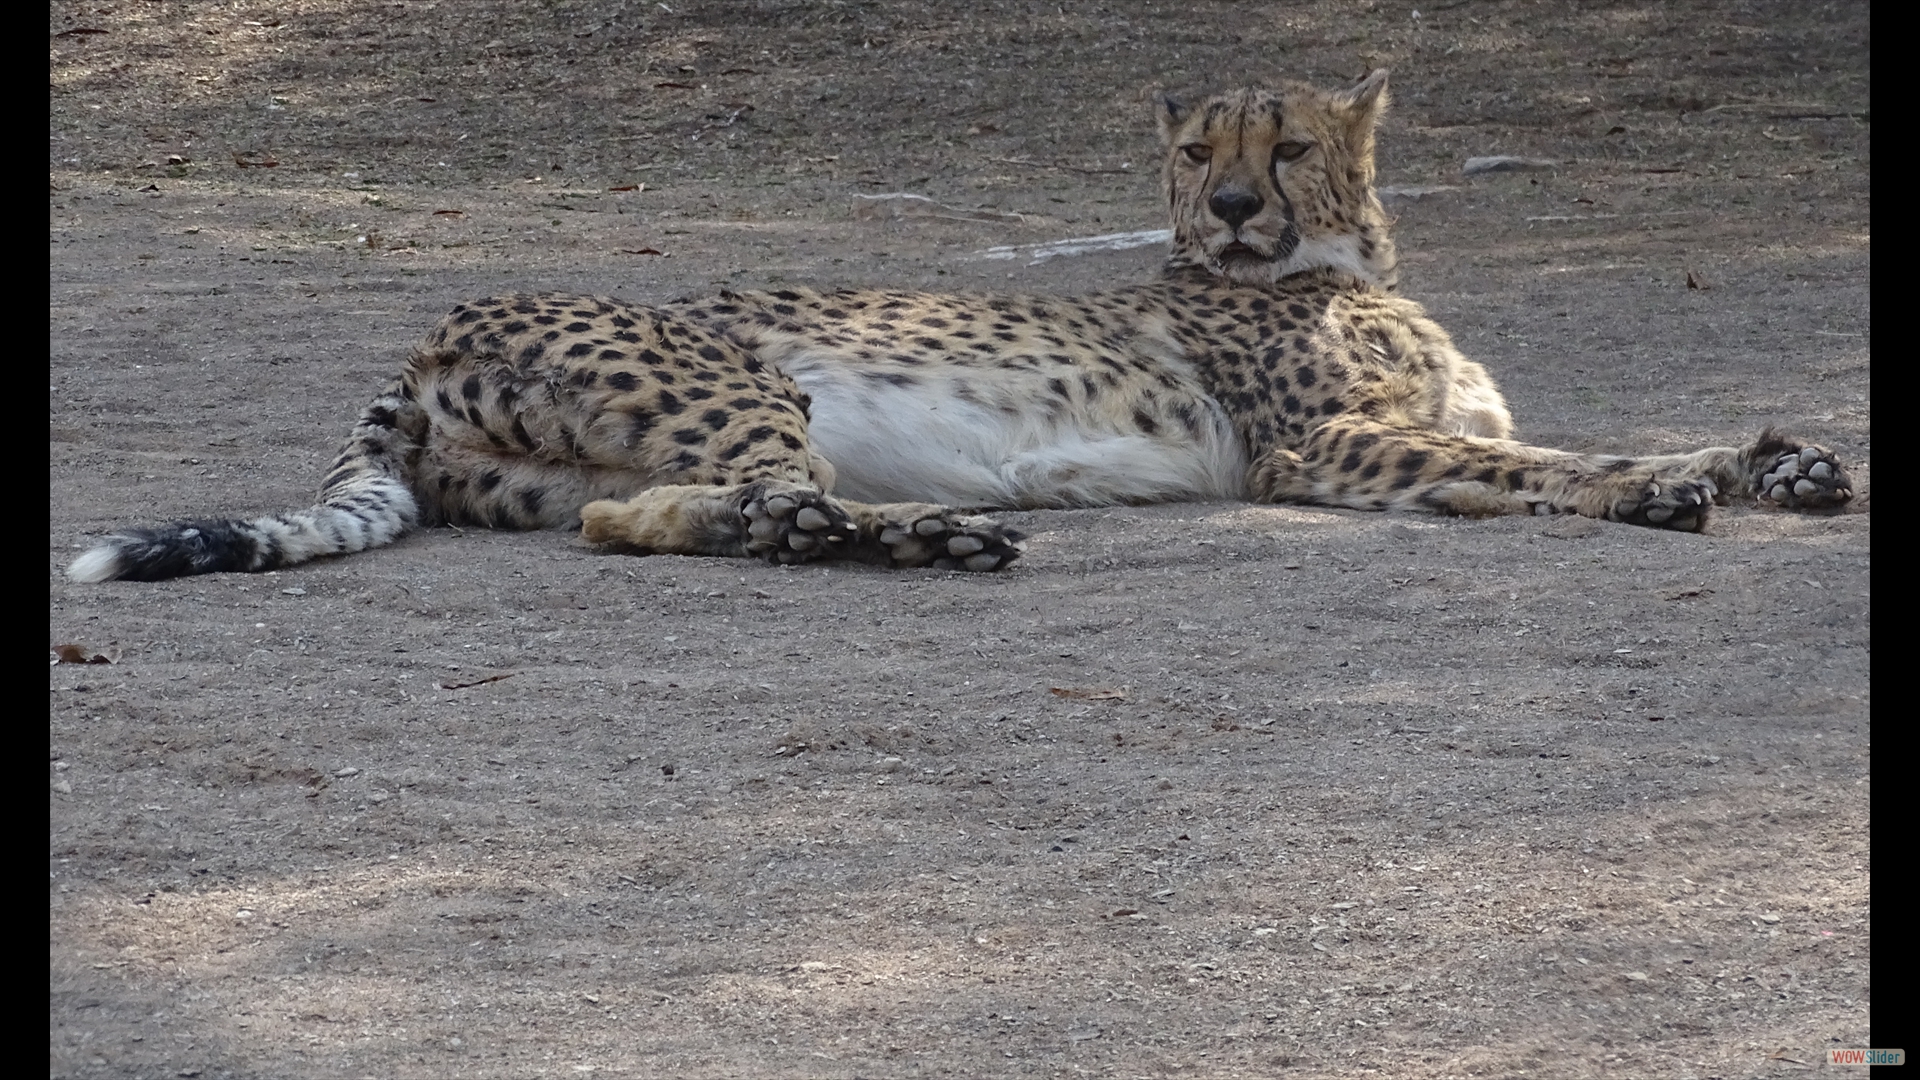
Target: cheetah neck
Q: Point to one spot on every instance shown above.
(1341, 255)
(1263, 351)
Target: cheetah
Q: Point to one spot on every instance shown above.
(1271, 360)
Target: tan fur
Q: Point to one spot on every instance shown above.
(1270, 360)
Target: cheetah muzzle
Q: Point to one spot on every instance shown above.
(1270, 360)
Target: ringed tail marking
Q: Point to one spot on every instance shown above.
(367, 502)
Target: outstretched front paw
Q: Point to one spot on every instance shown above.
(1667, 504)
(1809, 478)
(948, 540)
(791, 524)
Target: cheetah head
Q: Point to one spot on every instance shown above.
(1264, 183)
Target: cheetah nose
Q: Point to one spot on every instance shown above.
(1234, 205)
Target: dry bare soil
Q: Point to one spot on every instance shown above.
(1195, 790)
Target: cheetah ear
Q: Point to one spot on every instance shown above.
(1171, 112)
(1364, 101)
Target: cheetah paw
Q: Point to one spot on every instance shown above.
(1810, 478)
(946, 540)
(795, 525)
(1670, 504)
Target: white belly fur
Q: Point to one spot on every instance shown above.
(924, 444)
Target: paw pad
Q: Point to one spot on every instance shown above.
(1681, 505)
(952, 541)
(795, 527)
(1807, 479)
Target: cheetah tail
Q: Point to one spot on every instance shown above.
(365, 502)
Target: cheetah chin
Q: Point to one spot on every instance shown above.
(1270, 360)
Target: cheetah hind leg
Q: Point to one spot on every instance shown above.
(926, 534)
(777, 520)
(787, 522)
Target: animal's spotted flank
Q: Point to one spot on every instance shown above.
(1270, 361)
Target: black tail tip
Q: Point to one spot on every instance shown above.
(183, 550)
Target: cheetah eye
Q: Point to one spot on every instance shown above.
(1291, 150)
(1198, 153)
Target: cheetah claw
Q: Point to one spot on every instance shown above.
(1810, 478)
(795, 526)
(950, 541)
(1672, 504)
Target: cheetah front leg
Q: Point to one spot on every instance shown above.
(1775, 468)
(1368, 465)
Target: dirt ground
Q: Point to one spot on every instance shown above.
(1195, 790)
